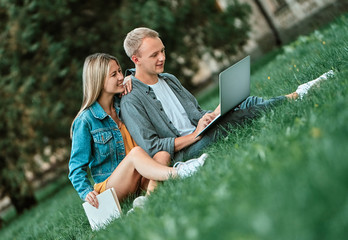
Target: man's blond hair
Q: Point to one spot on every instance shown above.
(135, 38)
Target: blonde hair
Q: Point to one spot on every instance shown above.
(95, 70)
(134, 39)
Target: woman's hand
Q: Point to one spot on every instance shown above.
(127, 83)
(92, 199)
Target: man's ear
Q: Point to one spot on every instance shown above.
(135, 59)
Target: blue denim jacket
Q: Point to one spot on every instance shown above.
(97, 143)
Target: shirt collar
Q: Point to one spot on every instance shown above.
(98, 111)
(139, 84)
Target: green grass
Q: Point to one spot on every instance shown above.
(283, 176)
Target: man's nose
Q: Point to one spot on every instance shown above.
(162, 57)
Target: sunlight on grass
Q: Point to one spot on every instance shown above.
(284, 176)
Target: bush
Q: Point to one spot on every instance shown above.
(43, 45)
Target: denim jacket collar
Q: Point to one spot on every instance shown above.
(99, 113)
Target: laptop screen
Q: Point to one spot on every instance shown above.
(234, 85)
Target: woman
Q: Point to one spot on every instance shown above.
(101, 142)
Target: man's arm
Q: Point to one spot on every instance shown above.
(185, 141)
(142, 130)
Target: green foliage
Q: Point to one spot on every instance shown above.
(42, 48)
(43, 45)
(190, 29)
(284, 176)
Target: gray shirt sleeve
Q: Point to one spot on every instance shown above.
(142, 130)
(147, 122)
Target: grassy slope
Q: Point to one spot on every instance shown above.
(284, 176)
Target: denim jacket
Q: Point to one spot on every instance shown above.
(97, 143)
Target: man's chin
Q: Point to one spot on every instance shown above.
(160, 70)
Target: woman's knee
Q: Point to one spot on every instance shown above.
(137, 151)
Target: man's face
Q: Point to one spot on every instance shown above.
(151, 56)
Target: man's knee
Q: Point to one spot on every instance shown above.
(241, 115)
(162, 158)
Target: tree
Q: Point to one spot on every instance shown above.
(190, 29)
(42, 48)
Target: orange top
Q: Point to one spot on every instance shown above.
(128, 141)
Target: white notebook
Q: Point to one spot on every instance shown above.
(109, 209)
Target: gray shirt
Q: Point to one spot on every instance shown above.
(146, 119)
(172, 107)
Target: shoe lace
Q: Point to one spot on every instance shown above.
(178, 164)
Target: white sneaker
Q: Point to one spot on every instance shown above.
(139, 202)
(188, 168)
(303, 88)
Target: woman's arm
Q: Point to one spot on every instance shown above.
(80, 157)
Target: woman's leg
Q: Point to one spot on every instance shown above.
(162, 158)
(135, 165)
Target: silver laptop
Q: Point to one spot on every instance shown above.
(234, 87)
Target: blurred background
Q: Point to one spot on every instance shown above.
(43, 45)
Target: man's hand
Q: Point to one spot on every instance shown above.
(92, 199)
(217, 110)
(127, 83)
(203, 122)
(184, 141)
(208, 117)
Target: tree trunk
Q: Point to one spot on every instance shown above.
(22, 197)
(20, 191)
(270, 23)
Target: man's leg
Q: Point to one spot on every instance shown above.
(216, 131)
(197, 148)
(305, 87)
(259, 101)
(251, 108)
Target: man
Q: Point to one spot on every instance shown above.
(162, 115)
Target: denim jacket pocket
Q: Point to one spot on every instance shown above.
(102, 141)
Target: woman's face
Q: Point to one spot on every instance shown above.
(114, 79)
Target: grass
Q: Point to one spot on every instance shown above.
(283, 176)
